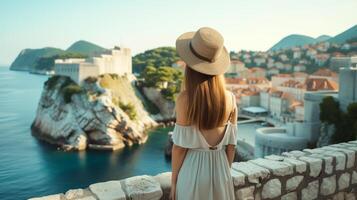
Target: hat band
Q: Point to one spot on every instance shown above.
(198, 55)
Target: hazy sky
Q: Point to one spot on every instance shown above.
(140, 25)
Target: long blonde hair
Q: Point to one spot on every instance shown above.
(206, 99)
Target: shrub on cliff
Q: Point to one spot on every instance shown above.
(91, 79)
(70, 90)
(52, 81)
(129, 109)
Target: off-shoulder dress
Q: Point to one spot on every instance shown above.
(205, 172)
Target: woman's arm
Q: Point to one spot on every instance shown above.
(230, 149)
(178, 156)
(178, 153)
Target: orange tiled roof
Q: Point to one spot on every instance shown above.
(316, 84)
(325, 72)
(292, 84)
(283, 75)
(300, 74)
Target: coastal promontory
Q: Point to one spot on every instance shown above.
(103, 112)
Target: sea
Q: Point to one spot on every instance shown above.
(31, 168)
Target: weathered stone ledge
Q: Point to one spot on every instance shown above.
(324, 173)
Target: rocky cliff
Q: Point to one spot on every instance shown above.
(166, 107)
(102, 113)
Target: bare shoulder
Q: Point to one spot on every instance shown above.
(180, 108)
(181, 99)
(229, 95)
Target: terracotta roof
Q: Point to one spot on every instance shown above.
(316, 84)
(283, 75)
(254, 69)
(292, 84)
(325, 72)
(300, 74)
(245, 81)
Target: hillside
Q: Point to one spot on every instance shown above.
(85, 48)
(346, 35)
(158, 57)
(322, 38)
(292, 41)
(27, 58)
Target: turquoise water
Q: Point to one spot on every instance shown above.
(31, 168)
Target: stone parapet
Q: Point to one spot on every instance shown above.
(324, 173)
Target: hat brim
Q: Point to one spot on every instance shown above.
(219, 66)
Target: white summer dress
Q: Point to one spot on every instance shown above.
(205, 172)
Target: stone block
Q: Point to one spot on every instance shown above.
(290, 196)
(164, 180)
(354, 177)
(142, 187)
(50, 197)
(313, 151)
(315, 165)
(311, 191)
(300, 166)
(256, 174)
(77, 194)
(238, 178)
(339, 196)
(344, 181)
(328, 162)
(350, 196)
(350, 155)
(245, 193)
(271, 189)
(339, 157)
(87, 198)
(279, 168)
(328, 185)
(294, 154)
(293, 182)
(110, 190)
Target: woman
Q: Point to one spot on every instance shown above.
(205, 132)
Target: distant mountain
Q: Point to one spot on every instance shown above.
(346, 35)
(322, 38)
(292, 41)
(86, 48)
(27, 58)
(300, 40)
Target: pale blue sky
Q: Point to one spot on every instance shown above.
(140, 25)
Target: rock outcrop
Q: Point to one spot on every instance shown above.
(91, 115)
(166, 107)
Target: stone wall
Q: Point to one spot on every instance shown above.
(325, 173)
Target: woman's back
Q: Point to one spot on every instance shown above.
(212, 136)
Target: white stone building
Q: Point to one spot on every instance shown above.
(117, 61)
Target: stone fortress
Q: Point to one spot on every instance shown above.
(117, 61)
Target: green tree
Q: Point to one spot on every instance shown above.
(329, 110)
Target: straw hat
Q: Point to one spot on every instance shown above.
(203, 51)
